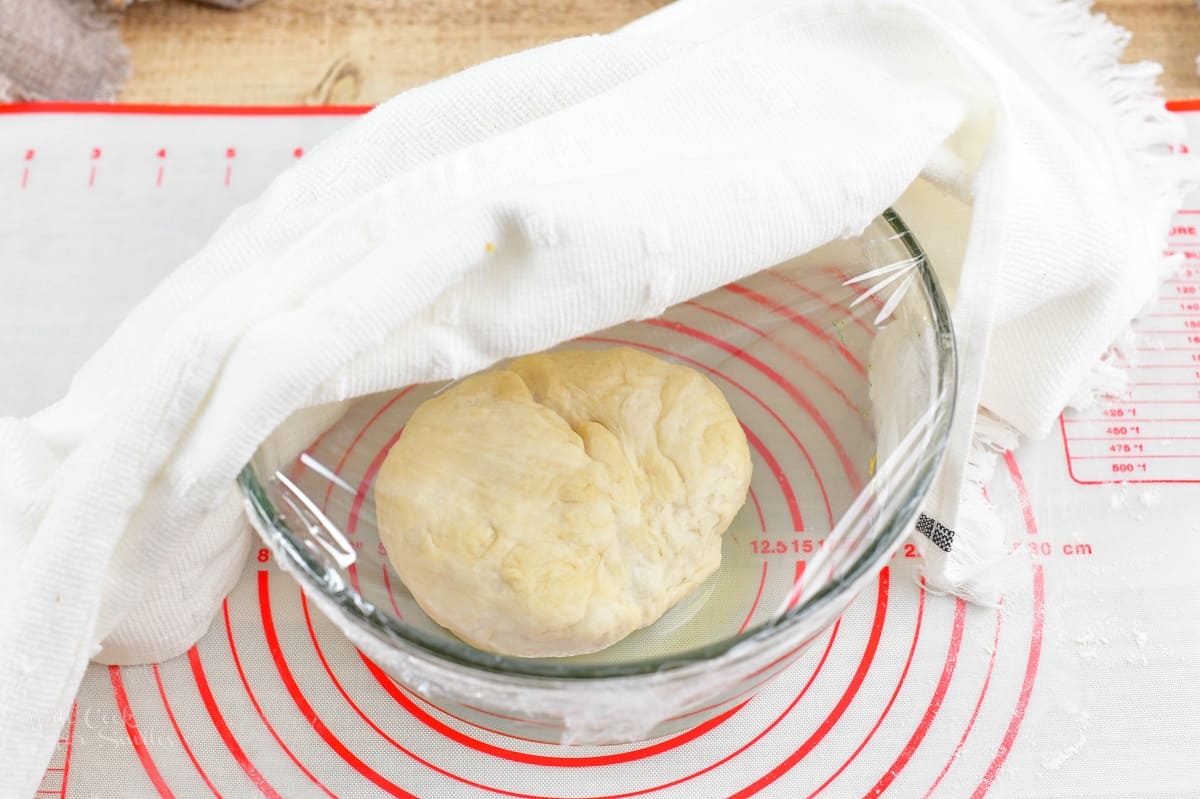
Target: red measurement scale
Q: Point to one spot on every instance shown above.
(1079, 683)
(1150, 432)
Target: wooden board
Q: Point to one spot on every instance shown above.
(364, 51)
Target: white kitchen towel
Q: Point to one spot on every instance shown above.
(561, 190)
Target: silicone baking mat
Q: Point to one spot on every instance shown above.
(1085, 682)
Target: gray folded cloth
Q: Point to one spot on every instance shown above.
(65, 49)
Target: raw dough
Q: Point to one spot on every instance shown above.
(556, 505)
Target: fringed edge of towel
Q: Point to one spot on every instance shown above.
(1090, 46)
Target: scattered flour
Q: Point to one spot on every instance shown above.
(1055, 762)
(1091, 639)
(1137, 657)
(1088, 645)
(1119, 497)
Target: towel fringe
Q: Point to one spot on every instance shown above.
(1090, 46)
(1108, 376)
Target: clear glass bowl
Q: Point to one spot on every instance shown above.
(840, 365)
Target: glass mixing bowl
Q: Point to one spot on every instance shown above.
(840, 365)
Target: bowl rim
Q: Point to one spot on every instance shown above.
(899, 511)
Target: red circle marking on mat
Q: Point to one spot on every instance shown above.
(753, 689)
(799, 574)
(782, 657)
(795, 355)
(978, 704)
(310, 714)
(757, 596)
(1022, 494)
(839, 306)
(912, 650)
(358, 436)
(935, 703)
(764, 368)
(939, 693)
(1031, 667)
(486, 713)
(789, 496)
(162, 692)
(470, 723)
(623, 757)
(762, 521)
(922, 727)
(235, 749)
(788, 313)
(540, 760)
(389, 739)
(1035, 642)
(368, 476)
(66, 767)
(852, 689)
(794, 594)
(237, 662)
(299, 466)
(135, 737)
(387, 584)
(758, 737)
(321, 655)
(843, 703)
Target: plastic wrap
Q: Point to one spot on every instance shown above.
(840, 367)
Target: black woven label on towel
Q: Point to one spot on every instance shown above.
(941, 535)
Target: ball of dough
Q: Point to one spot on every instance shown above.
(553, 506)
